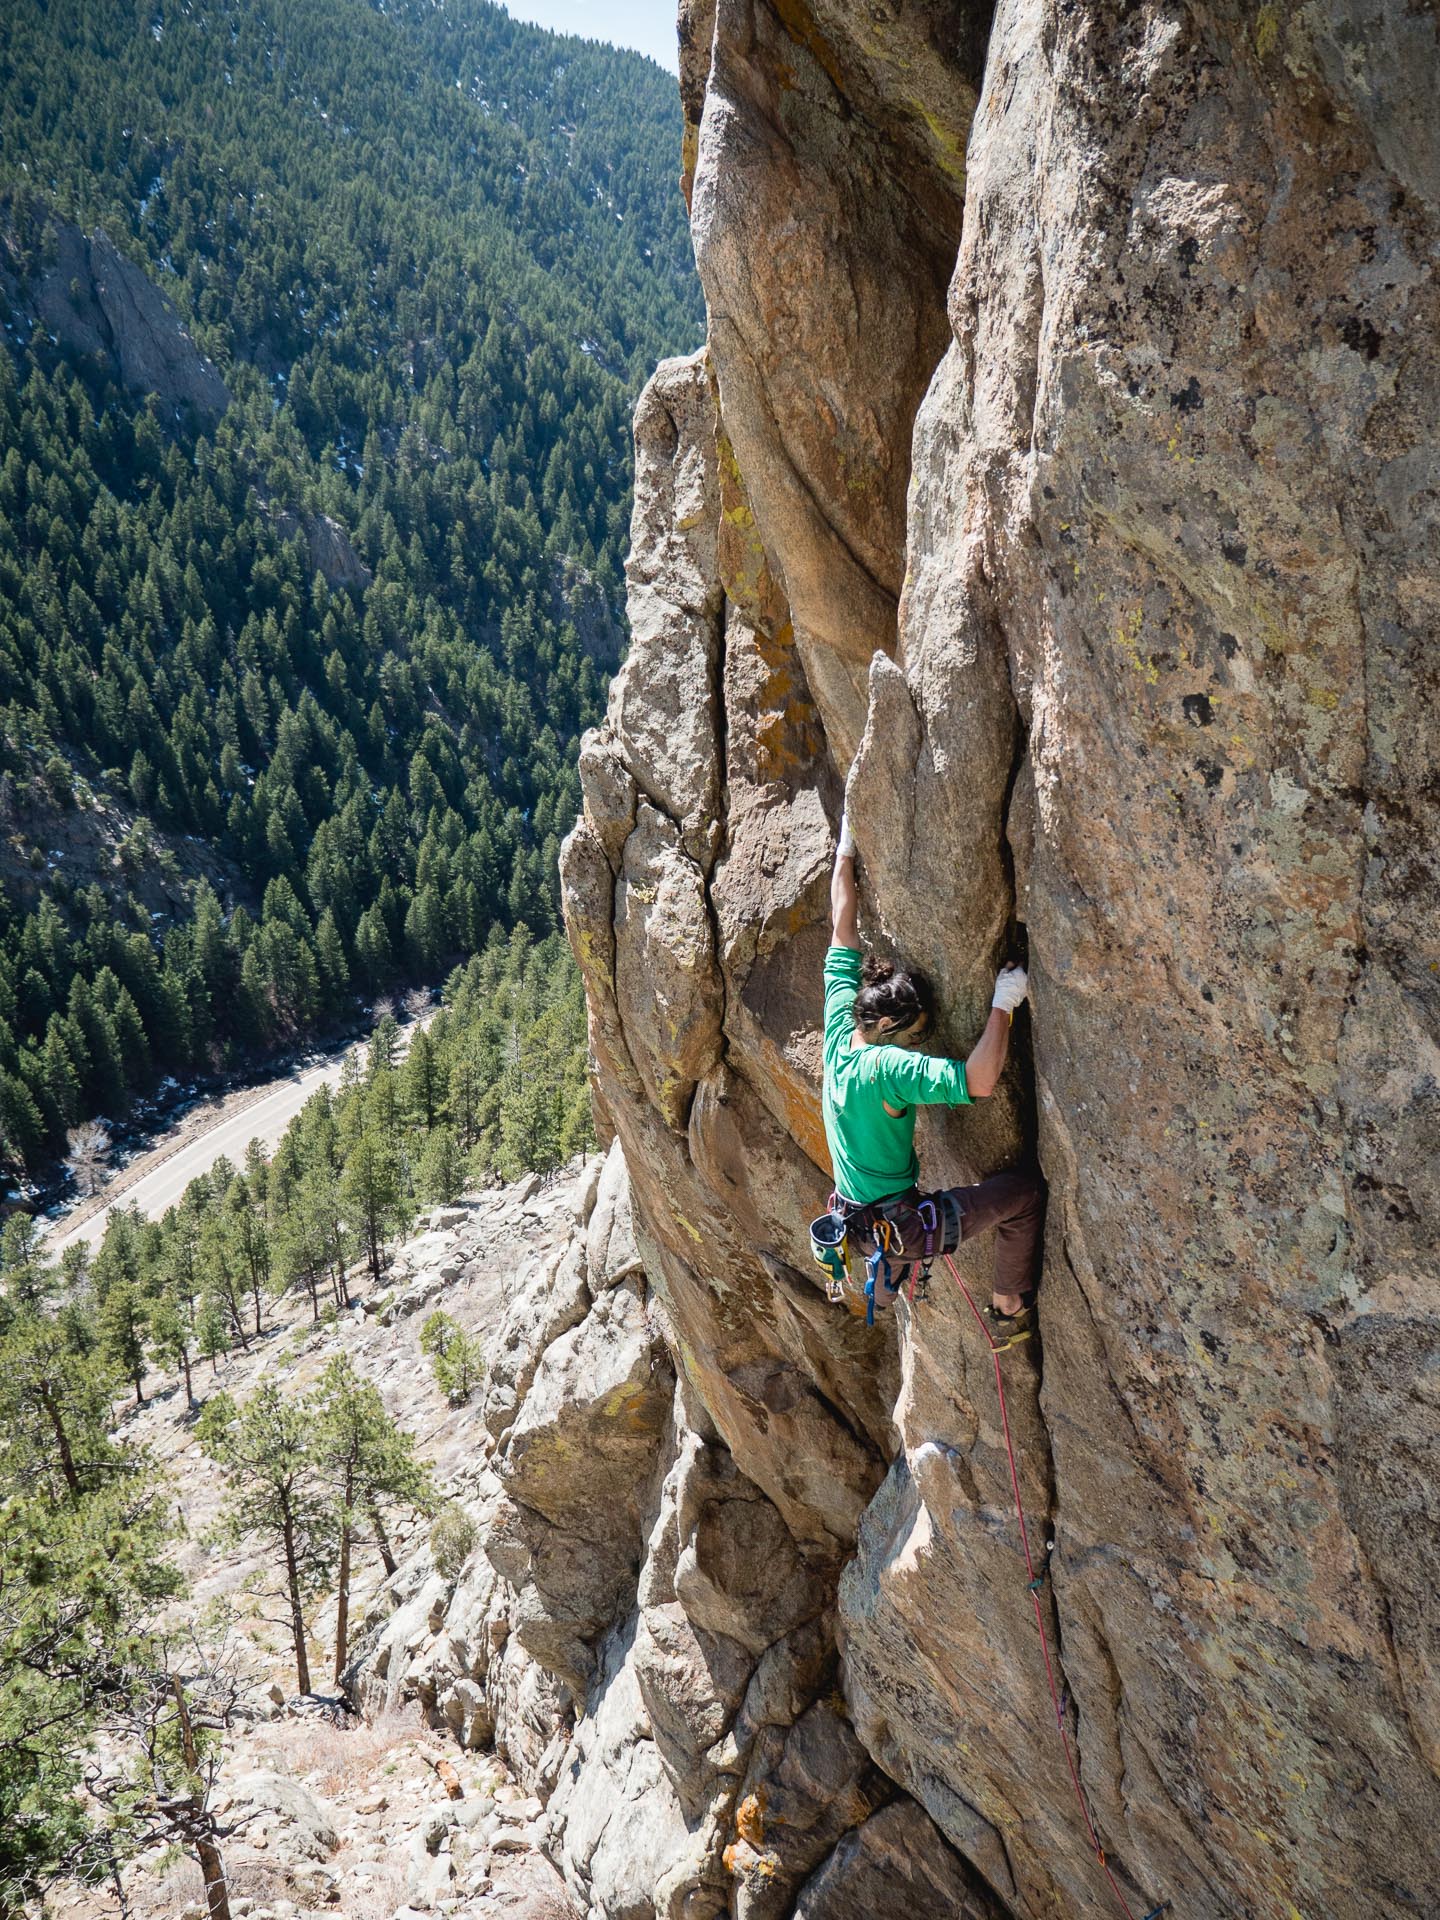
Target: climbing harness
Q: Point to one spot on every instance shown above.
(1035, 1581)
(905, 1232)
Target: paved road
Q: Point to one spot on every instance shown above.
(264, 1119)
(239, 1120)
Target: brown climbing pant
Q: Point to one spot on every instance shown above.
(1011, 1205)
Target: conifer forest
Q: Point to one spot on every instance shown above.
(323, 322)
(296, 643)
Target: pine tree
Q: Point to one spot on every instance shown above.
(370, 1466)
(301, 1248)
(212, 1331)
(330, 958)
(55, 1403)
(442, 1168)
(420, 1083)
(384, 1048)
(247, 1244)
(123, 1333)
(275, 1495)
(183, 1277)
(456, 1358)
(226, 1275)
(370, 1196)
(27, 1273)
(83, 1568)
(171, 1340)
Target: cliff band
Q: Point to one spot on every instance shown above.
(1064, 454)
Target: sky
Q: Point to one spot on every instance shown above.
(646, 25)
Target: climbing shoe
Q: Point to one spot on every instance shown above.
(1010, 1329)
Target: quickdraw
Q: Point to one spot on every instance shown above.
(877, 1266)
(919, 1288)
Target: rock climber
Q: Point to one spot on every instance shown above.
(876, 1016)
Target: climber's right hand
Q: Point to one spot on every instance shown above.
(1012, 984)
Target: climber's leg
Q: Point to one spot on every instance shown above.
(1012, 1205)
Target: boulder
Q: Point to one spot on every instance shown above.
(303, 1824)
(467, 1712)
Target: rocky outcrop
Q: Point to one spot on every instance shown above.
(1106, 575)
(328, 548)
(98, 302)
(637, 1632)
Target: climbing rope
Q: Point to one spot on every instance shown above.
(1034, 1582)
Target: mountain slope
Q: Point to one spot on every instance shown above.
(325, 323)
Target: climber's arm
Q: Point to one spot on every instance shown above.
(987, 1062)
(844, 898)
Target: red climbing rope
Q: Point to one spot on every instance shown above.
(1035, 1582)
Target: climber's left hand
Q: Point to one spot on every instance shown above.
(1012, 984)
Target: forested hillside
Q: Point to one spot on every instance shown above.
(494, 1084)
(300, 617)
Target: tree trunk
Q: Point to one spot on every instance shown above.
(255, 1296)
(382, 1540)
(237, 1320)
(207, 1854)
(314, 1294)
(342, 1596)
(139, 1389)
(62, 1442)
(217, 1894)
(297, 1612)
(189, 1390)
(372, 1234)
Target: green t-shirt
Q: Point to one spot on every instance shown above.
(872, 1151)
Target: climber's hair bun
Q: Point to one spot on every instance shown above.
(892, 1002)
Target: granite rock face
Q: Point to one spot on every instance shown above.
(99, 302)
(1061, 470)
(637, 1632)
(328, 548)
